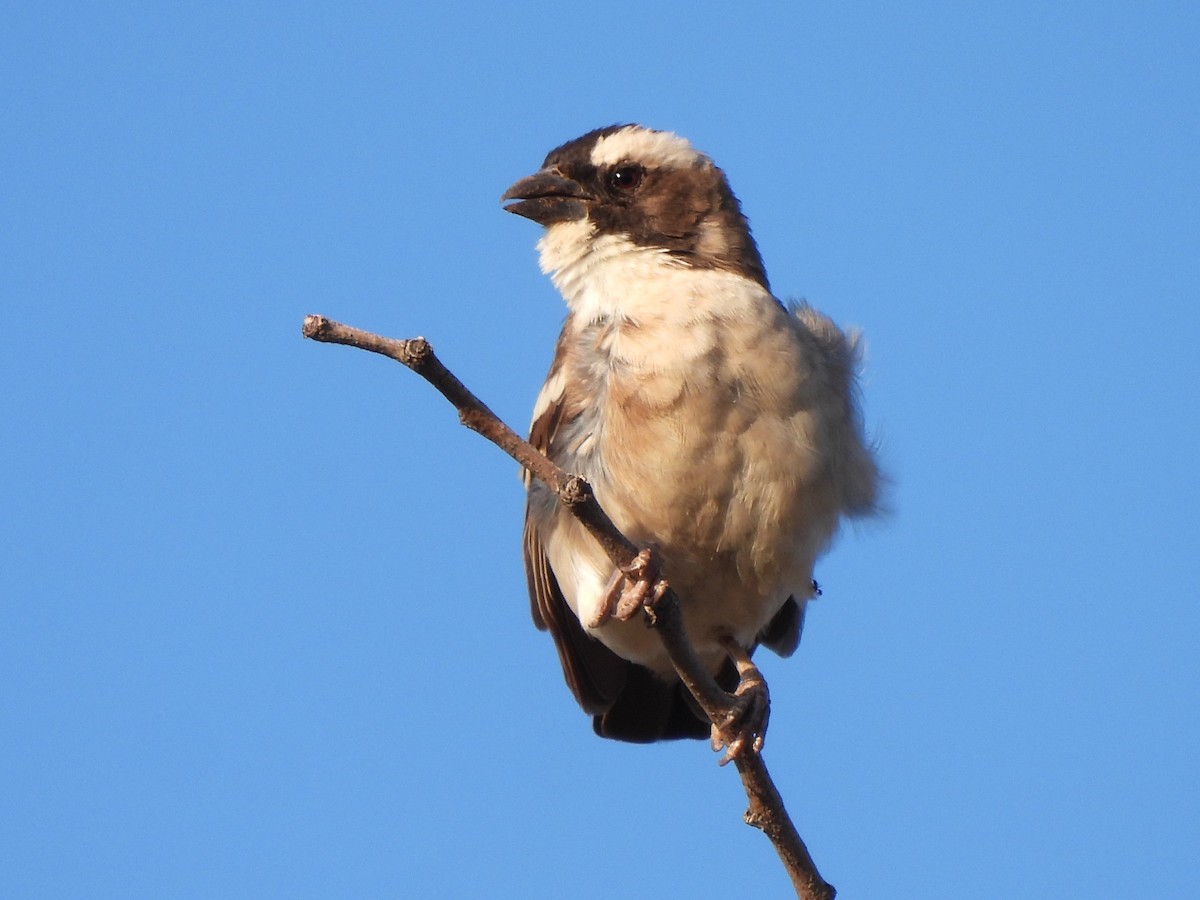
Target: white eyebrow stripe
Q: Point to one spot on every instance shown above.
(661, 147)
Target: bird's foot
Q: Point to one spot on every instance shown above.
(743, 725)
(629, 589)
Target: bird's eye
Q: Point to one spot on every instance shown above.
(625, 179)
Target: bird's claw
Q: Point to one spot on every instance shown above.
(629, 589)
(743, 724)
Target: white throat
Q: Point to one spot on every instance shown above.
(604, 278)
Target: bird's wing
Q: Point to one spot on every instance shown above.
(626, 701)
(782, 633)
(594, 673)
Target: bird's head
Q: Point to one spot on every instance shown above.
(649, 188)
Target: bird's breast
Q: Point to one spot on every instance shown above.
(696, 444)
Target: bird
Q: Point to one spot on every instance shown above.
(716, 425)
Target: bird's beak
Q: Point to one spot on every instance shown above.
(548, 197)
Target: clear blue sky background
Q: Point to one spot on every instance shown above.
(263, 630)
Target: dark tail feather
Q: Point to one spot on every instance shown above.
(650, 709)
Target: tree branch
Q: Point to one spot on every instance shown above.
(766, 811)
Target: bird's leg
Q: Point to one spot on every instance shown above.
(744, 723)
(627, 590)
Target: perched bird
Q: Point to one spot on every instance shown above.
(715, 424)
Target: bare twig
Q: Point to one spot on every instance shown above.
(766, 811)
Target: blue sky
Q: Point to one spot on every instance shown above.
(263, 630)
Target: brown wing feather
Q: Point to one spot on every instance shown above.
(627, 701)
(594, 673)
